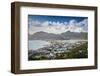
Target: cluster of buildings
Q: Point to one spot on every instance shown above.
(54, 48)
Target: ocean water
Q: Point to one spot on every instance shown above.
(36, 44)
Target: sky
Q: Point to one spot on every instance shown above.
(56, 24)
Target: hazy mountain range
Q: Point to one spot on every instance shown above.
(63, 36)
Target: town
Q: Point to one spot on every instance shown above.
(60, 50)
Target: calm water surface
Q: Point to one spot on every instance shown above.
(36, 44)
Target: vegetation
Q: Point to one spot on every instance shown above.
(41, 57)
(76, 51)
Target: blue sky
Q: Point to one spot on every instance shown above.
(57, 24)
(43, 18)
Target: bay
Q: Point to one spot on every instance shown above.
(36, 44)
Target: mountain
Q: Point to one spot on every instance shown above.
(43, 35)
(74, 35)
(63, 36)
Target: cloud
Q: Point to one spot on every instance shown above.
(81, 26)
(45, 24)
(84, 25)
(73, 22)
(34, 23)
(58, 27)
